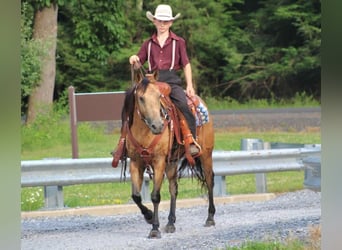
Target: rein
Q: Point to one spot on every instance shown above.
(141, 69)
(146, 153)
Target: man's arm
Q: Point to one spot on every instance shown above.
(188, 79)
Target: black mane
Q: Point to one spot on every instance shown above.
(128, 108)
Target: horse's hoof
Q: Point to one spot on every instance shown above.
(149, 217)
(170, 228)
(154, 234)
(209, 223)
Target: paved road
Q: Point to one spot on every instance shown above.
(280, 119)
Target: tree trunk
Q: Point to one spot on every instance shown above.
(139, 4)
(45, 29)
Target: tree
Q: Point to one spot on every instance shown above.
(91, 34)
(238, 48)
(280, 50)
(44, 31)
(88, 34)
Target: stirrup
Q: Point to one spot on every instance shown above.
(194, 150)
(197, 150)
(189, 144)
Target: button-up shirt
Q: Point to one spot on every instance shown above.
(161, 57)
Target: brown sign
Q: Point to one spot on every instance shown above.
(100, 106)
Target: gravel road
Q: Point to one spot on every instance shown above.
(288, 215)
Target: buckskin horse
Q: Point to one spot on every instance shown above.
(151, 140)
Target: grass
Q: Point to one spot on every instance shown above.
(293, 245)
(312, 243)
(300, 100)
(32, 198)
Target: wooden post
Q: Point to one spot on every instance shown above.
(73, 122)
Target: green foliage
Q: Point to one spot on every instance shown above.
(98, 28)
(90, 35)
(282, 53)
(39, 4)
(238, 49)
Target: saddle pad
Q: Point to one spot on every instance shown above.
(202, 114)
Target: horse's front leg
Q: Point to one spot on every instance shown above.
(158, 176)
(171, 173)
(137, 174)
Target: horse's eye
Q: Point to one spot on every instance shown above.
(141, 99)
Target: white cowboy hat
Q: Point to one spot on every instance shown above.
(163, 12)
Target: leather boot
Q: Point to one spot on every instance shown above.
(118, 153)
(192, 148)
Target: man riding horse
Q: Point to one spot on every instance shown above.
(160, 122)
(165, 53)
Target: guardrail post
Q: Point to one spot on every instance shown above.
(145, 190)
(312, 173)
(260, 178)
(53, 196)
(220, 185)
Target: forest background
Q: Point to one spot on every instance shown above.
(239, 49)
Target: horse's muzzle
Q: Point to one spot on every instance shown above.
(156, 126)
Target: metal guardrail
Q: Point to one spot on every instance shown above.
(62, 172)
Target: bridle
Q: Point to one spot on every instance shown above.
(163, 110)
(146, 153)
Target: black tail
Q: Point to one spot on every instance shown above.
(195, 171)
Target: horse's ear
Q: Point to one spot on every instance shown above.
(151, 78)
(155, 74)
(137, 77)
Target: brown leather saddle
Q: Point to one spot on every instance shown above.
(168, 105)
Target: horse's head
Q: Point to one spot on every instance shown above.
(149, 108)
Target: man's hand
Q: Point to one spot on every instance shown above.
(134, 59)
(190, 91)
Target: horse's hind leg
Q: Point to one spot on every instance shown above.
(207, 164)
(137, 174)
(171, 173)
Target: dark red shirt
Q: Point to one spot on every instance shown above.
(161, 58)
